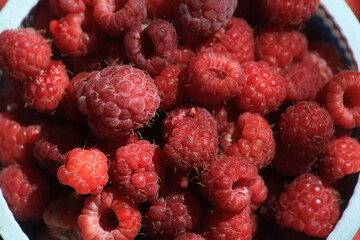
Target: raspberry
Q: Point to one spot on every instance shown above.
(45, 90)
(109, 215)
(152, 46)
(203, 18)
(213, 78)
(259, 192)
(190, 236)
(190, 138)
(279, 48)
(289, 12)
(341, 99)
(263, 89)
(117, 100)
(227, 182)
(174, 212)
(309, 206)
(341, 157)
(61, 8)
(223, 114)
(26, 190)
(305, 128)
(116, 17)
(134, 170)
(85, 170)
(23, 52)
(184, 53)
(252, 138)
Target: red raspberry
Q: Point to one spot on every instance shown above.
(227, 182)
(152, 47)
(190, 138)
(116, 17)
(184, 53)
(203, 18)
(307, 205)
(259, 193)
(3, 3)
(44, 91)
(253, 140)
(263, 89)
(160, 9)
(190, 236)
(176, 211)
(341, 99)
(305, 128)
(223, 114)
(117, 100)
(109, 215)
(85, 170)
(341, 157)
(23, 52)
(61, 8)
(289, 12)
(26, 190)
(280, 47)
(213, 78)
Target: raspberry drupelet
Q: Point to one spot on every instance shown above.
(61, 8)
(259, 193)
(184, 53)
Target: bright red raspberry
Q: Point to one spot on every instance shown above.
(205, 17)
(262, 90)
(259, 193)
(61, 8)
(252, 138)
(85, 170)
(116, 17)
(174, 212)
(152, 46)
(223, 114)
(45, 90)
(23, 52)
(341, 157)
(190, 138)
(109, 215)
(307, 205)
(227, 182)
(184, 53)
(160, 9)
(26, 190)
(190, 236)
(289, 12)
(213, 78)
(341, 99)
(117, 100)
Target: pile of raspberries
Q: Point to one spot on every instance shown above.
(175, 119)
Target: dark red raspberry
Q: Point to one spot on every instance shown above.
(341, 157)
(205, 17)
(23, 52)
(223, 114)
(184, 53)
(85, 170)
(26, 190)
(259, 193)
(263, 89)
(174, 212)
(289, 12)
(160, 9)
(117, 100)
(151, 47)
(190, 236)
(307, 205)
(116, 17)
(305, 128)
(213, 78)
(341, 99)
(61, 8)
(109, 215)
(190, 138)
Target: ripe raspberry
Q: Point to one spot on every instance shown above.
(151, 48)
(259, 193)
(307, 205)
(190, 236)
(61, 8)
(116, 17)
(289, 12)
(26, 190)
(85, 170)
(279, 48)
(117, 100)
(305, 128)
(109, 215)
(263, 89)
(341, 99)
(190, 138)
(184, 53)
(45, 90)
(213, 78)
(175, 212)
(23, 52)
(341, 157)
(252, 138)
(203, 18)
